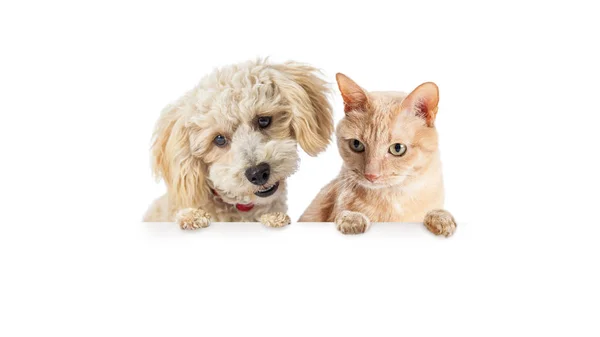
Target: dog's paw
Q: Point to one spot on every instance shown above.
(440, 222)
(276, 219)
(192, 218)
(349, 222)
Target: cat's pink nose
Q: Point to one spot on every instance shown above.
(371, 177)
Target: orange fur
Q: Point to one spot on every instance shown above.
(381, 186)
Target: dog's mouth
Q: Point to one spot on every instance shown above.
(267, 190)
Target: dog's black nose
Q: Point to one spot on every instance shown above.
(259, 174)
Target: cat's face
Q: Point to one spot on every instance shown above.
(385, 138)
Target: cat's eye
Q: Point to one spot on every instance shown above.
(398, 149)
(356, 145)
(220, 141)
(264, 121)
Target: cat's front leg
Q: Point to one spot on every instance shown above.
(440, 222)
(192, 218)
(275, 219)
(349, 222)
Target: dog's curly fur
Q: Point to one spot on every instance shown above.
(203, 176)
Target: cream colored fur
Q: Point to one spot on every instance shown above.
(228, 102)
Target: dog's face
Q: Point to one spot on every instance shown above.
(237, 133)
(247, 150)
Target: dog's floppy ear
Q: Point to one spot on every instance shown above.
(172, 159)
(312, 119)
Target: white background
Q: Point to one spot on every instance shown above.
(82, 84)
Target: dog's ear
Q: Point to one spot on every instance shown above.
(423, 101)
(312, 119)
(172, 159)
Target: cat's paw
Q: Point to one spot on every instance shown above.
(349, 222)
(440, 222)
(192, 218)
(276, 219)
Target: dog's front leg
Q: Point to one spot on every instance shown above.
(275, 219)
(192, 218)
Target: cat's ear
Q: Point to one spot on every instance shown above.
(354, 96)
(423, 101)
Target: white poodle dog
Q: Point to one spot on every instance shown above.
(226, 147)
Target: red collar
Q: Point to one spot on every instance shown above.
(240, 207)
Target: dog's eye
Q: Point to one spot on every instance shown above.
(398, 149)
(356, 145)
(220, 140)
(264, 121)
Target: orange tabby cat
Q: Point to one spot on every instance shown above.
(392, 170)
